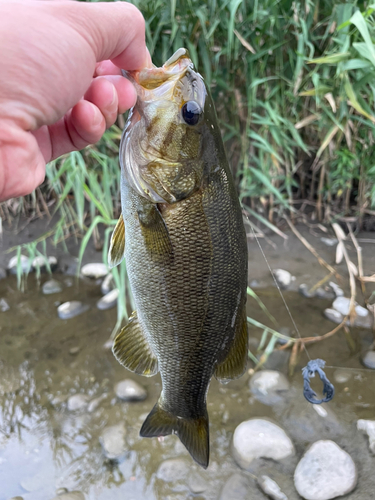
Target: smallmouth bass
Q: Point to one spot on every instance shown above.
(182, 234)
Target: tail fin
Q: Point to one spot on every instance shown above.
(193, 433)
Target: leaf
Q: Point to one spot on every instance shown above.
(321, 90)
(244, 42)
(328, 138)
(306, 121)
(355, 63)
(354, 102)
(332, 59)
(266, 222)
(358, 20)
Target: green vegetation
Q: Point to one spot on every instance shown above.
(294, 86)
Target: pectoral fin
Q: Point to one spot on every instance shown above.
(133, 351)
(155, 233)
(234, 364)
(117, 246)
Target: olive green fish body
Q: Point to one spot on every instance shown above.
(187, 267)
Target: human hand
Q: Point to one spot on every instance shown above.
(61, 85)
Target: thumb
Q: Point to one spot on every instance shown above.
(114, 31)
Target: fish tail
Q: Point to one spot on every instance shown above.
(193, 433)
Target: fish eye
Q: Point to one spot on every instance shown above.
(191, 112)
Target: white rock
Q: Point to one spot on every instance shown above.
(108, 284)
(174, 469)
(108, 301)
(113, 442)
(333, 315)
(129, 390)
(271, 488)
(25, 264)
(330, 242)
(4, 306)
(339, 292)
(40, 261)
(71, 309)
(51, 286)
(268, 381)
(236, 488)
(95, 403)
(94, 270)
(368, 359)
(197, 484)
(77, 402)
(341, 376)
(258, 438)
(363, 317)
(73, 495)
(369, 427)
(283, 278)
(324, 472)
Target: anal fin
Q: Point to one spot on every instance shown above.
(234, 365)
(117, 245)
(193, 433)
(133, 351)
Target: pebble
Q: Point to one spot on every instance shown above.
(341, 376)
(363, 318)
(271, 488)
(108, 284)
(73, 495)
(108, 301)
(333, 315)
(368, 359)
(61, 491)
(4, 306)
(95, 403)
(369, 427)
(129, 390)
(3, 273)
(113, 442)
(25, 264)
(339, 292)
(16, 498)
(304, 290)
(77, 402)
(258, 438)
(325, 471)
(94, 270)
(74, 350)
(40, 261)
(174, 469)
(236, 488)
(267, 384)
(71, 309)
(283, 278)
(197, 483)
(330, 242)
(51, 286)
(324, 293)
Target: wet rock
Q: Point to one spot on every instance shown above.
(339, 292)
(71, 309)
(324, 293)
(4, 306)
(368, 359)
(258, 438)
(73, 495)
(129, 390)
(94, 270)
(283, 278)
(51, 286)
(333, 315)
(41, 263)
(267, 385)
(77, 402)
(330, 242)
(304, 290)
(174, 469)
(341, 376)
(369, 427)
(236, 488)
(108, 301)
(197, 483)
(113, 442)
(3, 273)
(363, 318)
(24, 261)
(74, 350)
(61, 491)
(95, 403)
(108, 284)
(324, 472)
(271, 488)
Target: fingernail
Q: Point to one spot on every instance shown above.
(114, 95)
(98, 117)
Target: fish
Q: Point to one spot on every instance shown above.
(182, 234)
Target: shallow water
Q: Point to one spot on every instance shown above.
(44, 447)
